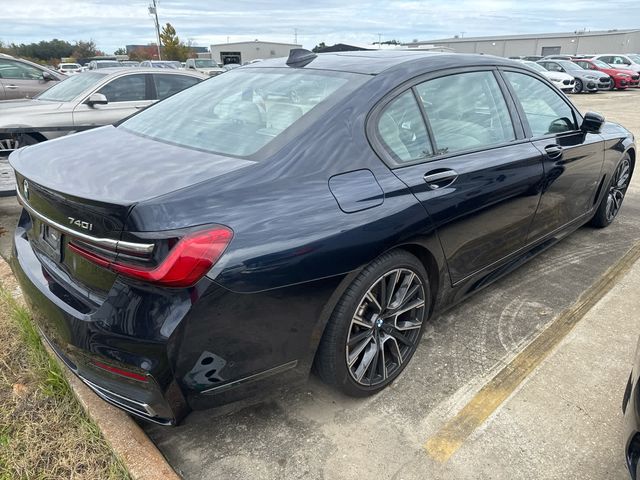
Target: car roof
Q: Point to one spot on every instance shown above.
(116, 70)
(372, 62)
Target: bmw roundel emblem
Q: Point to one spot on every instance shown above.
(25, 189)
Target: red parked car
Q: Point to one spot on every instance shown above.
(621, 78)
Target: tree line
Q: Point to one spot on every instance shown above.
(51, 51)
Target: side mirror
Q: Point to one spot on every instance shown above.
(592, 122)
(96, 99)
(47, 76)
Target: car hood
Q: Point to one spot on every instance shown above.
(27, 105)
(110, 164)
(559, 76)
(587, 74)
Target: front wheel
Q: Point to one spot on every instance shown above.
(612, 201)
(577, 87)
(376, 326)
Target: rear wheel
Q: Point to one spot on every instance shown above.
(8, 145)
(612, 201)
(577, 87)
(376, 326)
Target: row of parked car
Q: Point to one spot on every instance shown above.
(588, 73)
(202, 65)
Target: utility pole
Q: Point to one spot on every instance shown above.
(153, 10)
(379, 40)
(295, 36)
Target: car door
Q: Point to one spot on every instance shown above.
(168, 84)
(470, 166)
(20, 80)
(126, 94)
(573, 159)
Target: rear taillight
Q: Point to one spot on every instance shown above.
(187, 261)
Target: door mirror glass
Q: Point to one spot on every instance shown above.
(592, 122)
(96, 99)
(46, 76)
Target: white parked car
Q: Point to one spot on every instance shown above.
(629, 61)
(70, 68)
(204, 65)
(563, 81)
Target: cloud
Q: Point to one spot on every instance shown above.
(114, 23)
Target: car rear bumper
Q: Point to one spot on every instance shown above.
(195, 348)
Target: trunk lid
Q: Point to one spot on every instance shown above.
(83, 187)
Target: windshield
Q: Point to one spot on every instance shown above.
(242, 111)
(69, 65)
(570, 65)
(600, 63)
(70, 88)
(634, 57)
(107, 64)
(535, 66)
(205, 64)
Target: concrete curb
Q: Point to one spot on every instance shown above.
(141, 457)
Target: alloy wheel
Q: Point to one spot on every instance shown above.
(385, 328)
(577, 87)
(618, 188)
(8, 145)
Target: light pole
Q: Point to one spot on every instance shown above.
(153, 10)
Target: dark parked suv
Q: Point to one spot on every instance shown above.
(315, 210)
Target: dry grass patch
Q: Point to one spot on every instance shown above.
(44, 432)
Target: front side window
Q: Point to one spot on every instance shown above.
(466, 111)
(402, 130)
(131, 88)
(18, 71)
(547, 113)
(167, 85)
(241, 111)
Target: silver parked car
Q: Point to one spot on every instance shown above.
(84, 101)
(585, 80)
(23, 79)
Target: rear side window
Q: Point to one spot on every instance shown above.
(403, 131)
(547, 113)
(167, 85)
(466, 111)
(126, 89)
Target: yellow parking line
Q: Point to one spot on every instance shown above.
(452, 435)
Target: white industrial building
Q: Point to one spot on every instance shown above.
(243, 52)
(572, 43)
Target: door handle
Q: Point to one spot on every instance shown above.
(440, 178)
(553, 151)
(11, 87)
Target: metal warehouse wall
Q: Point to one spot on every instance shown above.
(580, 43)
(252, 50)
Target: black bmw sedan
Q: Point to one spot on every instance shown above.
(314, 211)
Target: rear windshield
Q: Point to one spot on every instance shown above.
(70, 88)
(241, 111)
(107, 64)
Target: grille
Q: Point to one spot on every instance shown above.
(604, 79)
(566, 82)
(635, 77)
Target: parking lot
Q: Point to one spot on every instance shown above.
(563, 421)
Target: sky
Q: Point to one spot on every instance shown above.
(115, 23)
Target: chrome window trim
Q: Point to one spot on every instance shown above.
(143, 248)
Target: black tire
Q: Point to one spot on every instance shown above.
(577, 87)
(391, 271)
(614, 195)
